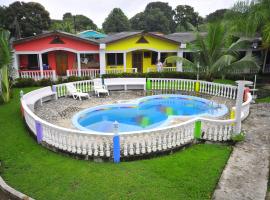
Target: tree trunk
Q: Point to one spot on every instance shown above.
(5, 84)
(265, 59)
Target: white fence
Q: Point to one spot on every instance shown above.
(92, 73)
(38, 75)
(134, 143)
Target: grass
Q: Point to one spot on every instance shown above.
(263, 100)
(189, 174)
(224, 81)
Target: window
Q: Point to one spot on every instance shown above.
(115, 59)
(146, 54)
(163, 56)
(154, 58)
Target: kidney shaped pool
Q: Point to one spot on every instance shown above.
(145, 113)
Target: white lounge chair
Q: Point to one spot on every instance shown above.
(76, 93)
(99, 88)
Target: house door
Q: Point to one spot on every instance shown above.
(61, 63)
(137, 60)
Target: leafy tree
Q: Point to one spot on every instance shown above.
(116, 21)
(218, 15)
(212, 57)
(167, 12)
(31, 18)
(2, 16)
(185, 15)
(81, 22)
(137, 22)
(155, 20)
(5, 62)
(65, 25)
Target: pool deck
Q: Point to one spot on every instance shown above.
(60, 112)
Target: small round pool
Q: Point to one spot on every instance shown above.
(145, 113)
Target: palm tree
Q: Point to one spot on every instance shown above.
(248, 18)
(5, 62)
(216, 53)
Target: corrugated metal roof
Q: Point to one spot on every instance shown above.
(184, 37)
(91, 34)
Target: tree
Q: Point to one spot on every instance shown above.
(185, 15)
(31, 18)
(137, 22)
(2, 16)
(5, 62)
(167, 13)
(216, 16)
(79, 22)
(155, 20)
(116, 21)
(213, 55)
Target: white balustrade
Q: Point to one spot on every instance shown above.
(141, 142)
(119, 71)
(84, 86)
(92, 73)
(36, 74)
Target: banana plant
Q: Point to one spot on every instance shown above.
(5, 62)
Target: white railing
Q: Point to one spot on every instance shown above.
(132, 143)
(164, 69)
(162, 139)
(84, 86)
(172, 84)
(37, 75)
(119, 71)
(215, 89)
(92, 73)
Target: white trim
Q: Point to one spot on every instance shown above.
(79, 64)
(40, 64)
(54, 49)
(135, 49)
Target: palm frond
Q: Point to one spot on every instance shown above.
(222, 62)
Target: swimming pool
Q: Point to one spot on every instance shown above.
(145, 113)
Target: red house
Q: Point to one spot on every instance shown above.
(56, 54)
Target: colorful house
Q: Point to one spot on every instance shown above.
(57, 53)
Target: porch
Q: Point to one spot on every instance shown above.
(57, 63)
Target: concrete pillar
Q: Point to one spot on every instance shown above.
(79, 64)
(239, 101)
(102, 58)
(125, 61)
(158, 55)
(15, 65)
(180, 52)
(40, 64)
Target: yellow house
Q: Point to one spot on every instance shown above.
(137, 52)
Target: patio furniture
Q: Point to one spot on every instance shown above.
(125, 83)
(99, 88)
(76, 93)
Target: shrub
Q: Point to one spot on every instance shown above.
(45, 82)
(239, 137)
(25, 82)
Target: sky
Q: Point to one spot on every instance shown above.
(98, 10)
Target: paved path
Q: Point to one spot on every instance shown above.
(246, 174)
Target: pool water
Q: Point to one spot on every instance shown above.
(145, 113)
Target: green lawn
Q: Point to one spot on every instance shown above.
(224, 81)
(263, 100)
(189, 174)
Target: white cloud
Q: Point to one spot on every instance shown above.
(98, 10)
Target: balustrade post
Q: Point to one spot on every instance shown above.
(198, 129)
(116, 143)
(39, 131)
(239, 101)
